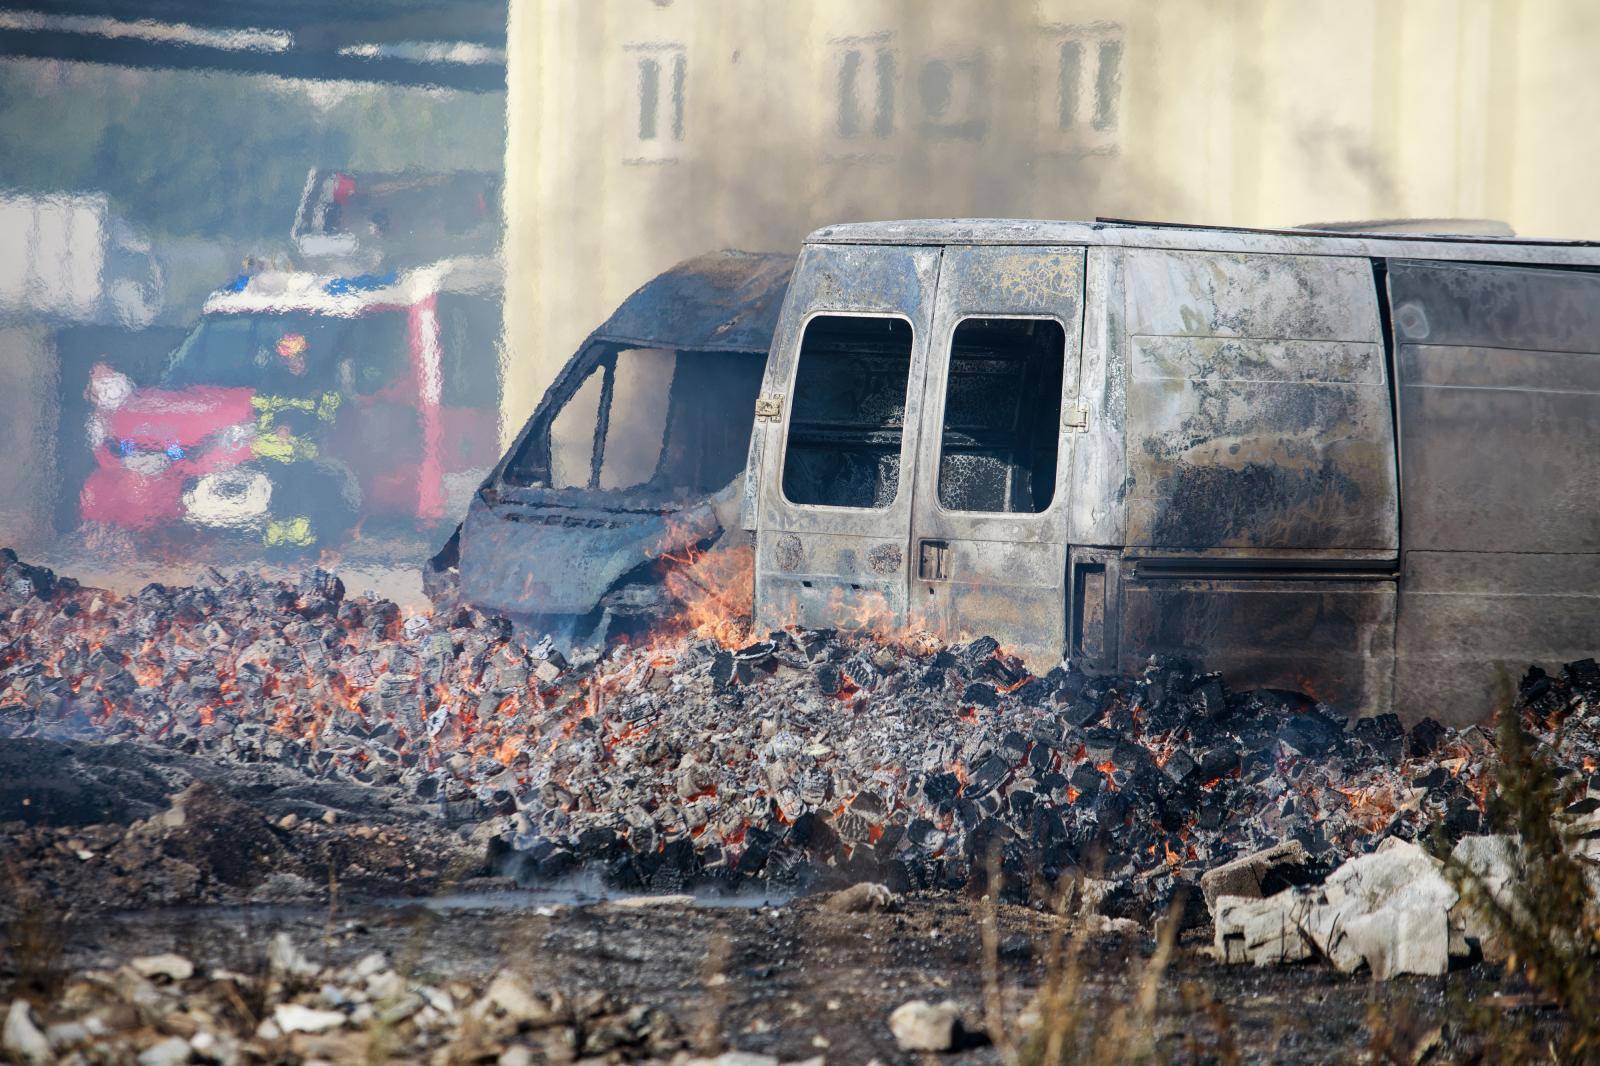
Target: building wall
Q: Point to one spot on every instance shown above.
(28, 434)
(641, 132)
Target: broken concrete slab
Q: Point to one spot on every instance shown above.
(1258, 875)
(1388, 910)
(1263, 932)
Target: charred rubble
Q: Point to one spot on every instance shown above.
(803, 758)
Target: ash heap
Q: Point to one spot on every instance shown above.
(711, 758)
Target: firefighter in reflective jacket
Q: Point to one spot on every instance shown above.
(276, 441)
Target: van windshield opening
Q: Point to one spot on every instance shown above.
(848, 413)
(1002, 415)
(652, 421)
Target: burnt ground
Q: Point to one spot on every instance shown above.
(132, 850)
(171, 781)
(797, 980)
(87, 827)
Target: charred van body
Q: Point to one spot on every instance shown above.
(637, 450)
(1365, 466)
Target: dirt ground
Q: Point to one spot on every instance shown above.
(383, 561)
(797, 980)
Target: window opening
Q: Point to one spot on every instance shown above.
(1002, 415)
(572, 435)
(639, 400)
(665, 423)
(848, 413)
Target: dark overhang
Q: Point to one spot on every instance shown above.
(454, 44)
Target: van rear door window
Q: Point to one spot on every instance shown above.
(1002, 415)
(848, 413)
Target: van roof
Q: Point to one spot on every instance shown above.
(722, 301)
(1175, 236)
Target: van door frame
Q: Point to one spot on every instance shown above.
(826, 566)
(1001, 570)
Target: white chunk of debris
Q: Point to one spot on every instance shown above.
(285, 959)
(923, 1026)
(1390, 910)
(22, 1036)
(172, 967)
(862, 898)
(173, 1051)
(293, 1018)
(1260, 931)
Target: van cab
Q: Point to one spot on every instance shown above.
(1362, 465)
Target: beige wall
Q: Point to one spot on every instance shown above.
(1246, 112)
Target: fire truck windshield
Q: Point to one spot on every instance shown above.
(289, 353)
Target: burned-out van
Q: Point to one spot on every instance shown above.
(1361, 465)
(635, 452)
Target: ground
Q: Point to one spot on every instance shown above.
(797, 980)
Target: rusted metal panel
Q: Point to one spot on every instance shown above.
(549, 554)
(836, 566)
(1499, 400)
(1097, 507)
(1492, 368)
(1258, 408)
(1333, 639)
(720, 302)
(1501, 449)
(1479, 305)
(1188, 294)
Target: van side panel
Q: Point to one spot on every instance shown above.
(1262, 495)
(1258, 405)
(1499, 373)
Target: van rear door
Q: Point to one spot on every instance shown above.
(989, 551)
(836, 427)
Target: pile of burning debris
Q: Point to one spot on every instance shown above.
(806, 757)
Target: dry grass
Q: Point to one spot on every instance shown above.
(1549, 926)
(1063, 1025)
(32, 953)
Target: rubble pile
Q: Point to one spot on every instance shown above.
(162, 1009)
(806, 757)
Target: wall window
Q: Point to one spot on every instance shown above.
(1002, 415)
(1081, 90)
(848, 412)
(660, 75)
(864, 81)
(954, 97)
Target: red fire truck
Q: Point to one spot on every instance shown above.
(303, 402)
(362, 384)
